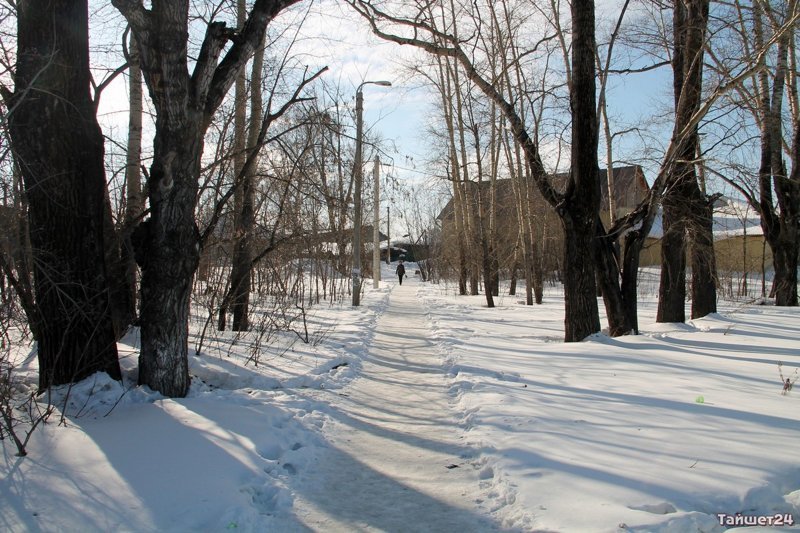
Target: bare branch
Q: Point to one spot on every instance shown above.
(639, 70)
(244, 45)
(98, 90)
(217, 35)
(252, 155)
(134, 12)
(454, 50)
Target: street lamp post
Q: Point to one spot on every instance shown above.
(388, 239)
(376, 218)
(358, 177)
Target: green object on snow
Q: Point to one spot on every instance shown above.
(700, 399)
(232, 525)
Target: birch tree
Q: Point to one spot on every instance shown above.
(770, 96)
(135, 201)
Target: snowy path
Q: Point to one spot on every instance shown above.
(393, 435)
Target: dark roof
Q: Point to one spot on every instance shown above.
(630, 188)
(347, 234)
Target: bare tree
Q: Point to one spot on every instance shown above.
(688, 206)
(578, 206)
(775, 194)
(134, 201)
(685, 208)
(244, 213)
(168, 243)
(59, 148)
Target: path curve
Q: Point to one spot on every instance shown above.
(397, 459)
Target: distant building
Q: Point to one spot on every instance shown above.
(630, 187)
(738, 239)
(739, 242)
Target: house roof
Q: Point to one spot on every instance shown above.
(630, 187)
(347, 235)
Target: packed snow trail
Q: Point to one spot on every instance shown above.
(397, 461)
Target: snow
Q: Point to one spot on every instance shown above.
(426, 411)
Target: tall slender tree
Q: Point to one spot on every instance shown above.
(687, 210)
(781, 225)
(134, 200)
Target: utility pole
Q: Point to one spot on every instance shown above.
(388, 239)
(376, 243)
(358, 178)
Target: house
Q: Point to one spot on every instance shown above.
(739, 243)
(738, 239)
(630, 187)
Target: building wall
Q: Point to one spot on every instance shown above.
(734, 254)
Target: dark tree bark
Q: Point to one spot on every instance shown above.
(781, 226)
(608, 279)
(687, 213)
(245, 219)
(583, 194)
(59, 147)
(700, 219)
(672, 288)
(168, 243)
(786, 244)
(634, 241)
(703, 258)
(244, 211)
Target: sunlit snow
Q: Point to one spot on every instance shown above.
(422, 410)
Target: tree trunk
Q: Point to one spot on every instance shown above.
(245, 204)
(512, 285)
(468, 204)
(672, 288)
(460, 227)
(700, 220)
(483, 238)
(135, 204)
(780, 227)
(583, 191)
(785, 258)
(608, 274)
(580, 300)
(704, 279)
(685, 212)
(786, 251)
(168, 243)
(239, 284)
(168, 252)
(634, 241)
(59, 147)
(460, 238)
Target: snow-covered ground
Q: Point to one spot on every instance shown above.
(426, 411)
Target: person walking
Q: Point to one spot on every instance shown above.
(401, 271)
